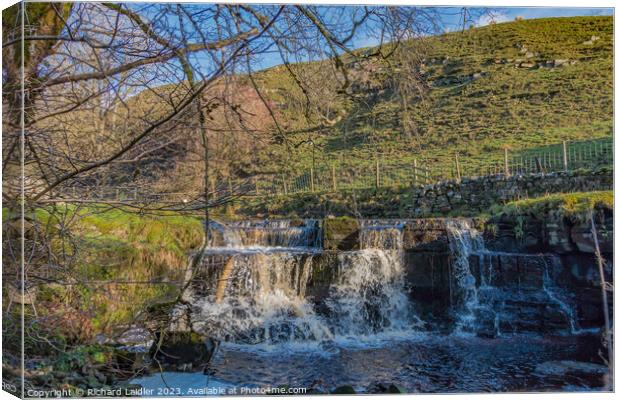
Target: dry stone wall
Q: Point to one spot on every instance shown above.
(478, 194)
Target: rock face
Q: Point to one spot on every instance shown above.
(550, 232)
(556, 254)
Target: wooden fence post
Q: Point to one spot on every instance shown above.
(377, 173)
(506, 167)
(334, 186)
(311, 179)
(256, 186)
(565, 156)
(415, 172)
(458, 167)
(284, 184)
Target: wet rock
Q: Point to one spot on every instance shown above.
(531, 272)
(182, 350)
(386, 388)
(345, 389)
(425, 235)
(581, 235)
(324, 272)
(341, 233)
(558, 234)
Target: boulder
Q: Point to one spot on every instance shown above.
(345, 389)
(182, 350)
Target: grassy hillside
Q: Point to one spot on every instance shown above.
(523, 84)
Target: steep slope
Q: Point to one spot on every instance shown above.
(520, 84)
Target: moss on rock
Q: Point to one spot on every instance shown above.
(341, 233)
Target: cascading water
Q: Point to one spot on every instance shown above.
(369, 294)
(517, 304)
(255, 283)
(266, 234)
(464, 241)
(257, 273)
(558, 298)
(263, 300)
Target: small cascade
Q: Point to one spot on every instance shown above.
(369, 294)
(378, 234)
(254, 281)
(260, 298)
(504, 292)
(464, 241)
(266, 234)
(558, 298)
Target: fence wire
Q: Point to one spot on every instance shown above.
(564, 156)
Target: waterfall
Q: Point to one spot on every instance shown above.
(527, 300)
(271, 282)
(378, 234)
(557, 298)
(369, 294)
(266, 233)
(464, 241)
(256, 274)
(263, 301)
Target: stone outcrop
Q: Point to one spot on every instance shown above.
(550, 232)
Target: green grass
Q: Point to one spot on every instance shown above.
(506, 106)
(572, 205)
(509, 106)
(117, 253)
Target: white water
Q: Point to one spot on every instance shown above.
(260, 272)
(369, 297)
(264, 301)
(265, 276)
(464, 241)
(266, 234)
(556, 297)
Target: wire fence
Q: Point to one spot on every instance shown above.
(564, 156)
(325, 178)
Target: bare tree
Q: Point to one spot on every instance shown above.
(165, 96)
